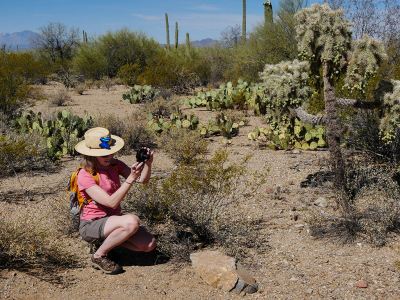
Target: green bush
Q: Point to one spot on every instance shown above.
(128, 73)
(16, 77)
(168, 71)
(90, 62)
(124, 46)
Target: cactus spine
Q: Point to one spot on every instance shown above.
(167, 27)
(176, 35)
(244, 21)
(268, 14)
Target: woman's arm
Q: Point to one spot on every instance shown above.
(99, 195)
(146, 173)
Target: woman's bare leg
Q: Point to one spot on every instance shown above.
(142, 240)
(117, 230)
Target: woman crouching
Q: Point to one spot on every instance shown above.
(101, 220)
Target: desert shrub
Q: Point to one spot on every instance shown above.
(162, 107)
(126, 46)
(168, 71)
(199, 205)
(182, 145)
(80, 88)
(128, 73)
(22, 153)
(89, 62)
(132, 129)
(40, 245)
(373, 209)
(237, 116)
(16, 77)
(60, 98)
(365, 135)
(108, 82)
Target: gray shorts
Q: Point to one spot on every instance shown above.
(93, 231)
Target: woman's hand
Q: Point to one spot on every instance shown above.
(136, 170)
(149, 161)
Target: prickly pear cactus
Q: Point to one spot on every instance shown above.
(294, 134)
(138, 94)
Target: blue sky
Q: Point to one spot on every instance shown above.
(201, 18)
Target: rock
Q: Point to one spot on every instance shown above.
(362, 284)
(221, 271)
(296, 151)
(246, 283)
(321, 202)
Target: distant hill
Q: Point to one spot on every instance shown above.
(205, 42)
(20, 39)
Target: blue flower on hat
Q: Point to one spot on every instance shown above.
(104, 142)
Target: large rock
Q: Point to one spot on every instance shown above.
(221, 271)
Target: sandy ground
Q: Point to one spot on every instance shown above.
(295, 266)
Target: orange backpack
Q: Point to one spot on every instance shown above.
(76, 201)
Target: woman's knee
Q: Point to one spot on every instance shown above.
(131, 223)
(152, 245)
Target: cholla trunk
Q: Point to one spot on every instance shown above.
(333, 137)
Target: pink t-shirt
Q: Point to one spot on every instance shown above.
(108, 181)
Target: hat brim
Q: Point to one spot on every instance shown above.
(116, 145)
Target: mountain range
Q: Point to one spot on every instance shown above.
(21, 40)
(16, 39)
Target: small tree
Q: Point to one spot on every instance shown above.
(55, 41)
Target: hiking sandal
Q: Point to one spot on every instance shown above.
(106, 265)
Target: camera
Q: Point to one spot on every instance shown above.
(142, 156)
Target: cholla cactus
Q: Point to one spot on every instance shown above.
(323, 34)
(391, 121)
(367, 55)
(286, 85)
(325, 42)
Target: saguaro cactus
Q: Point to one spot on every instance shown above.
(187, 40)
(176, 35)
(167, 26)
(244, 21)
(268, 14)
(84, 36)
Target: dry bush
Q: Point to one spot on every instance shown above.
(80, 88)
(182, 145)
(236, 116)
(60, 98)
(373, 211)
(29, 239)
(22, 153)
(199, 205)
(132, 129)
(162, 107)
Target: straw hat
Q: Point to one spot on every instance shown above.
(99, 142)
